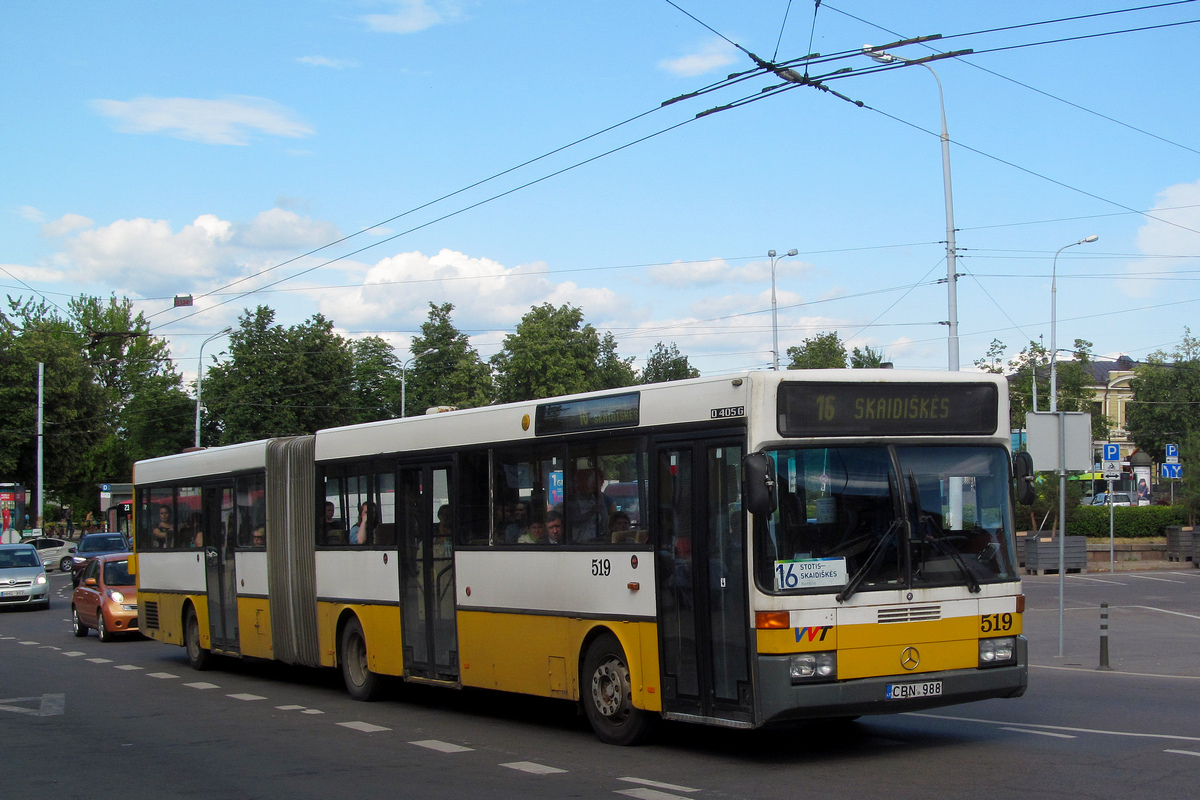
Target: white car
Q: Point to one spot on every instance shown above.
(54, 552)
(1118, 499)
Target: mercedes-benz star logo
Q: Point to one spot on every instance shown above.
(910, 658)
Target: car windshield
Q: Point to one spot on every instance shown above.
(116, 573)
(853, 519)
(19, 558)
(96, 544)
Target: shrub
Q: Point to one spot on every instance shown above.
(1129, 522)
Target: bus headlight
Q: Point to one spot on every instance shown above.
(811, 667)
(997, 652)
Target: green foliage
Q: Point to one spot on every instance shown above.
(823, 351)
(552, 353)
(666, 363)
(1129, 522)
(1166, 405)
(279, 381)
(1074, 381)
(453, 374)
(867, 358)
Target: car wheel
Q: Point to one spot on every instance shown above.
(198, 656)
(608, 696)
(79, 627)
(64, 564)
(361, 683)
(101, 628)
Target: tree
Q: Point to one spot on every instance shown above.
(1074, 382)
(452, 374)
(1166, 405)
(612, 371)
(666, 363)
(280, 381)
(867, 358)
(552, 353)
(376, 379)
(823, 351)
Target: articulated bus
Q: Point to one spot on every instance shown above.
(737, 551)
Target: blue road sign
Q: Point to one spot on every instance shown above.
(1172, 470)
(1112, 452)
(1172, 451)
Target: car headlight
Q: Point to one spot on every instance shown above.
(997, 652)
(811, 667)
(117, 596)
(40, 579)
(78, 559)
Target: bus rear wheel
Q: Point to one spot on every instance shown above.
(199, 657)
(608, 695)
(361, 683)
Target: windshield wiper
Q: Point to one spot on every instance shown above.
(872, 560)
(927, 528)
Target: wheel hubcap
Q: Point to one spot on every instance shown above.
(610, 689)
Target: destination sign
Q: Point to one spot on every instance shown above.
(887, 409)
(592, 414)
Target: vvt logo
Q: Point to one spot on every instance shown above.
(815, 633)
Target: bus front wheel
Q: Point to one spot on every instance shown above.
(199, 657)
(608, 694)
(361, 683)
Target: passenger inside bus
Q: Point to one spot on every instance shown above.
(164, 530)
(361, 532)
(536, 534)
(554, 528)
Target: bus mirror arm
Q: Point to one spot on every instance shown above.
(1023, 478)
(758, 483)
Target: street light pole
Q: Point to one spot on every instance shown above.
(404, 376)
(951, 248)
(1060, 420)
(200, 377)
(774, 314)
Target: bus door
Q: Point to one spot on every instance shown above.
(427, 596)
(219, 526)
(704, 628)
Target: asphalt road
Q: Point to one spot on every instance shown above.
(130, 719)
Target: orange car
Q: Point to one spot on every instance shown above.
(106, 598)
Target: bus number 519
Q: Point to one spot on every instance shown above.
(601, 567)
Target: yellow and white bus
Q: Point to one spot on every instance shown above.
(736, 550)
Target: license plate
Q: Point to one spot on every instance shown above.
(12, 593)
(903, 691)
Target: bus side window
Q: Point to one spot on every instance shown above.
(473, 519)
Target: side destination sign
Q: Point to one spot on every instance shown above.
(592, 414)
(887, 409)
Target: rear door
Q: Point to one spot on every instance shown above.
(219, 537)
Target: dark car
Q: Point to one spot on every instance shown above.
(92, 545)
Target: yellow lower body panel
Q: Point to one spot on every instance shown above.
(540, 655)
(381, 628)
(254, 627)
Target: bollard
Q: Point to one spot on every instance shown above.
(1104, 637)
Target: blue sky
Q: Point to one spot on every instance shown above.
(154, 149)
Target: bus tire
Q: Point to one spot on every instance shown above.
(361, 683)
(608, 694)
(198, 656)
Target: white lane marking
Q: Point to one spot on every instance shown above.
(365, 727)
(202, 685)
(244, 696)
(291, 708)
(1131, 734)
(532, 768)
(312, 711)
(163, 675)
(127, 667)
(74, 653)
(1183, 752)
(28, 643)
(99, 660)
(7, 638)
(50, 647)
(1119, 672)
(1096, 580)
(442, 747)
(1151, 578)
(648, 794)
(1165, 611)
(1040, 733)
(659, 785)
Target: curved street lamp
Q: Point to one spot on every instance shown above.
(404, 376)
(200, 377)
(774, 315)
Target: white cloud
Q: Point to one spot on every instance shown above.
(148, 257)
(332, 63)
(26, 274)
(684, 274)
(66, 224)
(278, 229)
(31, 214)
(411, 16)
(1167, 234)
(709, 56)
(231, 120)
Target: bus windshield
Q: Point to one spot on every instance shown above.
(852, 519)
